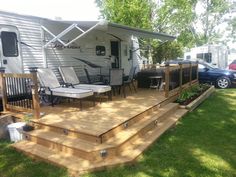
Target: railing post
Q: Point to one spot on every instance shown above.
(3, 89)
(167, 80)
(180, 77)
(190, 71)
(35, 96)
(197, 70)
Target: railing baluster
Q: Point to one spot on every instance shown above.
(17, 92)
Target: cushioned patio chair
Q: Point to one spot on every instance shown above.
(69, 77)
(116, 80)
(130, 80)
(52, 87)
(90, 81)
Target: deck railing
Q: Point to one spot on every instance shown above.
(20, 92)
(179, 77)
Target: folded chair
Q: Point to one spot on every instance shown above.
(69, 77)
(53, 88)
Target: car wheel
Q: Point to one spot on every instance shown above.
(223, 82)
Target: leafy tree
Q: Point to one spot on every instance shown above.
(212, 16)
(136, 13)
(232, 30)
(167, 51)
(176, 18)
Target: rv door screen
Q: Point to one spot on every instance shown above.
(9, 44)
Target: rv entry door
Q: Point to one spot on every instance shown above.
(10, 57)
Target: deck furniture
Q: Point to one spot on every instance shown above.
(51, 86)
(130, 80)
(116, 80)
(155, 82)
(69, 77)
(90, 80)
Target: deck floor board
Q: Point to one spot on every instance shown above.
(103, 117)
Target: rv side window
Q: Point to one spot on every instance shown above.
(188, 57)
(100, 50)
(9, 44)
(205, 56)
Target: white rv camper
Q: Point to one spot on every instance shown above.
(28, 41)
(216, 55)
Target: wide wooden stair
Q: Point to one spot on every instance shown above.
(80, 152)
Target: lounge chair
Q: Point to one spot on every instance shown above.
(69, 77)
(53, 88)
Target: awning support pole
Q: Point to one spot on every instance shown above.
(66, 31)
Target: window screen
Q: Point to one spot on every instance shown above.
(205, 56)
(9, 44)
(100, 50)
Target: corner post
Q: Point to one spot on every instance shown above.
(180, 76)
(3, 88)
(190, 72)
(197, 70)
(167, 80)
(35, 95)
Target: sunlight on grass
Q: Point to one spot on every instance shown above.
(211, 161)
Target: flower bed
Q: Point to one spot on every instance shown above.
(195, 95)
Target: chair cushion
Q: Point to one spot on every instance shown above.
(69, 76)
(70, 92)
(94, 88)
(47, 78)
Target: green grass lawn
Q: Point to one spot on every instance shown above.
(202, 144)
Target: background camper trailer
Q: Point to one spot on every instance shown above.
(216, 55)
(28, 41)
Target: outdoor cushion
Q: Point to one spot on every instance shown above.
(70, 92)
(94, 88)
(69, 76)
(49, 79)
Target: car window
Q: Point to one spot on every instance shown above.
(200, 66)
(234, 62)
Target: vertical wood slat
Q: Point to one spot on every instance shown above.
(167, 81)
(190, 77)
(15, 86)
(197, 70)
(35, 96)
(180, 77)
(4, 91)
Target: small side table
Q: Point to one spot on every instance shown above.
(155, 81)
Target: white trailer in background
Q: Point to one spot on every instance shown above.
(216, 55)
(28, 41)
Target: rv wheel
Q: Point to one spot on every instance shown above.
(223, 82)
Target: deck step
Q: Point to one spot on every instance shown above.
(72, 163)
(138, 119)
(135, 148)
(67, 144)
(91, 150)
(78, 165)
(143, 125)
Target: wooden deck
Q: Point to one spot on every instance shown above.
(109, 134)
(103, 117)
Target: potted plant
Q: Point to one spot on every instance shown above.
(27, 127)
